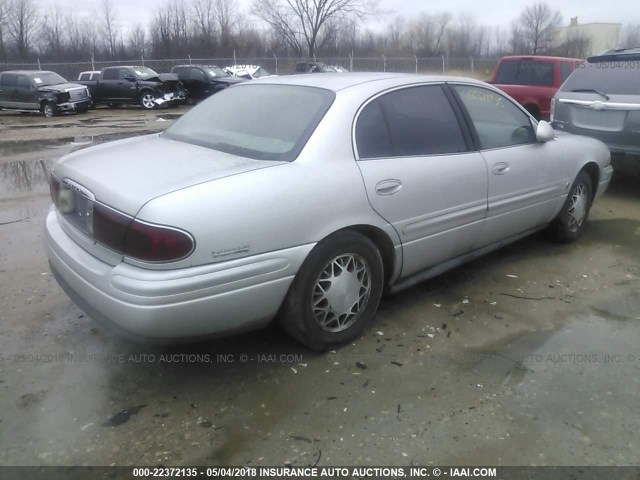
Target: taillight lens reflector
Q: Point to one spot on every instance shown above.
(155, 243)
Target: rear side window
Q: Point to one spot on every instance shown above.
(525, 72)
(618, 78)
(23, 82)
(8, 80)
(413, 121)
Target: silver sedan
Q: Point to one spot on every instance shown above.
(306, 200)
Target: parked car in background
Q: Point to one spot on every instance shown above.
(339, 69)
(248, 72)
(601, 99)
(135, 85)
(533, 80)
(202, 81)
(42, 91)
(89, 75)
(313, 67)
(338, 187)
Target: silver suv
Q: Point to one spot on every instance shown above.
(601, 99)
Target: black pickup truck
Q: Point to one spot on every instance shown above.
(135, 85)
(43, 91)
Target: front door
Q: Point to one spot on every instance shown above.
(525, 176)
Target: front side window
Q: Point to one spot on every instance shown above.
(85, 77)
(23, 82)
(263, 122)
(111, 74)
(497, 121)
(414, 121)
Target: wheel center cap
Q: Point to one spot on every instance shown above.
(344, 292)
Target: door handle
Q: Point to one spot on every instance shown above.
(388, 187)
(500, 168)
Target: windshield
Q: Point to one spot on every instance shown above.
(45, 79)
(263, 122)
(621, 78)
(216, 72)
(524, 72)
(144, 73)
(261, 72)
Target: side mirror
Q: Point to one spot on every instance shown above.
(545, 132)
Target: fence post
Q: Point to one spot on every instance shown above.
(235, 62)
(93, 64)
(416, 57)
(142, 58)
(276, 58)
(443, 67)
(472, 65)
(351, 61)
(384, 63)
(39, 68)
(189, 55)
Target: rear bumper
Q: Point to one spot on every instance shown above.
(186, 303)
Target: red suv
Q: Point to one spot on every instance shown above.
(533, 80)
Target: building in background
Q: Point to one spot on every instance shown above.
(583, 40)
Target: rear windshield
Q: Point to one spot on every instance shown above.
(621, 78)
(525, 72)
(263, 122)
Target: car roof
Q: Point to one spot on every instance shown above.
(195, 66)
(28, 72)
(622, 54)
(339, 81)
(538, 57)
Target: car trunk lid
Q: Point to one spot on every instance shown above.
(126, 174)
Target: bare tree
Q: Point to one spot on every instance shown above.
(301, 23)
(204, 19)
(225, 16)
(23, 26)
(137, 42)
(630, 36)
(537, 22)
(109, 26)
(53, 32)
(4, 20)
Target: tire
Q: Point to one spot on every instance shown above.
(49, 109)
(570, 222)
(147, 100)
(317, 316)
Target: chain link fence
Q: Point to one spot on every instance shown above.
(480, 68)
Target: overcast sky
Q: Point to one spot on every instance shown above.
(486, 12)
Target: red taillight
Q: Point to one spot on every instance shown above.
(155, 243)
(135, 239)
(54, 189)
(110, 227)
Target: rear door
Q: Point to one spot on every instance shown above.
(526, 177)
(421, 174)
(8, 90)
(26, 93)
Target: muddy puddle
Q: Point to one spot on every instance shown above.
(20, 176)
